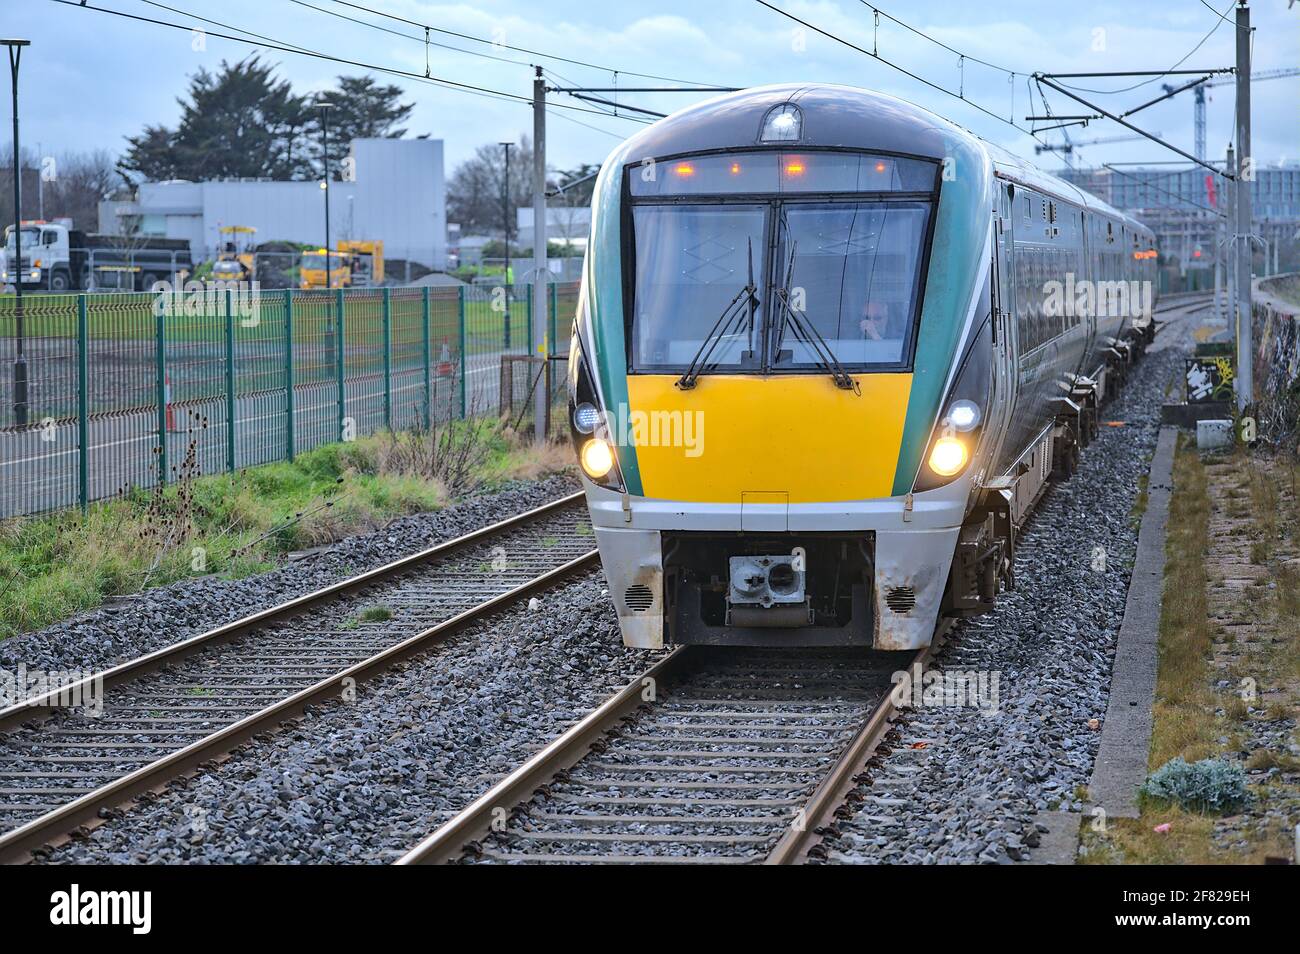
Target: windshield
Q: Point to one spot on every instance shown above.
(840, 237)
(853, 268)
(30, 237)
(692, 261)
(316, 260)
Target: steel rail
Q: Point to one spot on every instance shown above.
(17, 844)
(818, 812)
(476, 820)
(492, 809)
(45, 704)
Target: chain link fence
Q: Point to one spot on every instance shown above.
(125, 389)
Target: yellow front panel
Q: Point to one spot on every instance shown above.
(797, 434)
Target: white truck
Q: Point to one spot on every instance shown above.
(58, 258)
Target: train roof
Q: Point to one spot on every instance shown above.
(845, 117)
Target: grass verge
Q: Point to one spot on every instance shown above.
(1211, 646)
(55, 565)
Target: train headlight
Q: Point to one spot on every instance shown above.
(585, 418)
(964, 415)
(948, 456)
(783, 123)
(597, 458)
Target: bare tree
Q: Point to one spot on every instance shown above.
(474, 193)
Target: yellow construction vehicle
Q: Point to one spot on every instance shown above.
(357, 264)
(235, 261)
(312, 270)
(366, 259)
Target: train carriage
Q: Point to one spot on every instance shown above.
(829, 348)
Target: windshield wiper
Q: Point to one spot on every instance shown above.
(729, 316)
(807, 332)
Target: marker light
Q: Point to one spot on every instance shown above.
(585, 418)
(783, 123)
(794, 168)
(735, 168)
(685, 170)
(948, 456)
(597, 458)
(880, 167)
(964, 415)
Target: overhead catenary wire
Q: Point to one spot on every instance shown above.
(283, 47)
(1108, 92)
(925, 36)
(424, 40)
(427, 74)
(892, 65)
(518, 49)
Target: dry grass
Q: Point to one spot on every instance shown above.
(526, 460)
(1184, 707)
(1189, 841)
(1185, 720)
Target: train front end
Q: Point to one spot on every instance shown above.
(781, 370)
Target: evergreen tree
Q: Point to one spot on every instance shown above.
(242, 122)
(359, 109)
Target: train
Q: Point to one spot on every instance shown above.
(830, 349)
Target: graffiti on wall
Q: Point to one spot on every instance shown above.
(1276, 326)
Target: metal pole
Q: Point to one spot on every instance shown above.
(1245, 164)
(83, 402)
(426, 339)
(505, 222)
(541, 392)
(289, 440)
(20, 361)
(160, 387)
(388, 359)
(1228, 247)
(230, 382)
(339, 364)
(325, 159)
(460, 323)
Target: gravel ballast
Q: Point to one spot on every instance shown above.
(134, 626)
(962, 786)
(363, 781)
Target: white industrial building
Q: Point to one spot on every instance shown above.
(396, 193)
(565, 225)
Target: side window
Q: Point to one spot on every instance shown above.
(1037, 294)
(49, 237)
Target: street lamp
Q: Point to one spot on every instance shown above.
(505, 221)
(324, 108)
(20, 362)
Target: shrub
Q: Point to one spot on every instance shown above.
(1212, 785)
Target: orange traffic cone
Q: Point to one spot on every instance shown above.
(167, 398)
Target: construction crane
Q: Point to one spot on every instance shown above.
(1068, 147)
(1199, 105)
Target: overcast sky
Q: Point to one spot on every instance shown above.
(90, 78)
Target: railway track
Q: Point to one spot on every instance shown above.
(169, 712)
(710, 757)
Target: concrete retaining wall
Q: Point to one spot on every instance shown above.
(1276, 323)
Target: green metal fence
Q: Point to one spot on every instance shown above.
(125, 388)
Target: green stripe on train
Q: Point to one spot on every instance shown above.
(956, 260)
